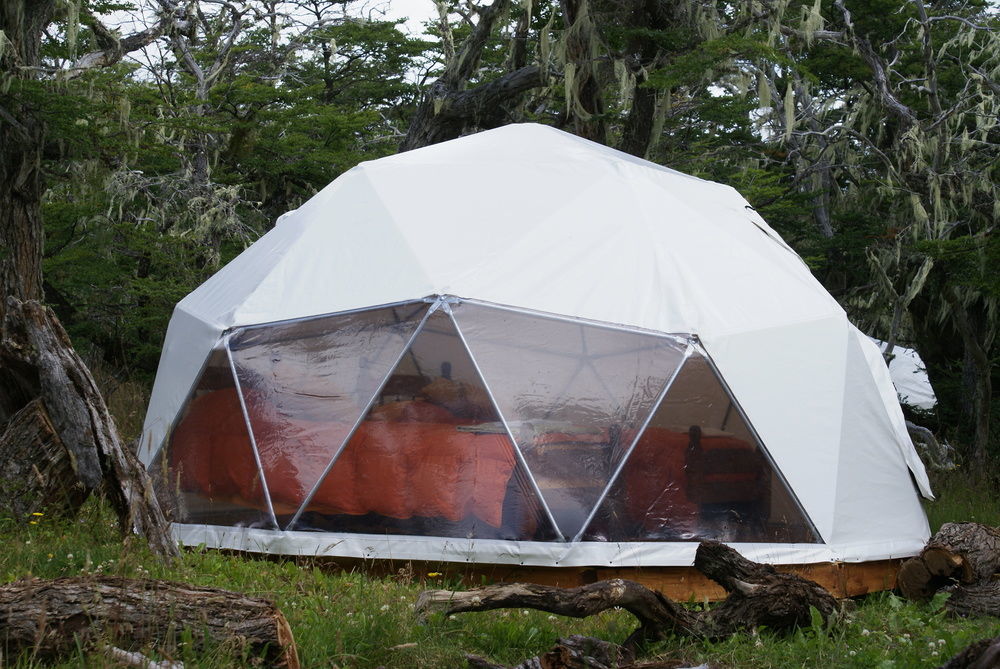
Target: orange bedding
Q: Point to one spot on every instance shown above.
(396, 469)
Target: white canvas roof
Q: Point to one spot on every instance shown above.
(532, 217)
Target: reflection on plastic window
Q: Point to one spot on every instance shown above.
(574, 395)
(432, 457)
(207, 473)
(307, 382)
(699, 473)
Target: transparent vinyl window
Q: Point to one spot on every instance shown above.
(573, 394)
(432, 457)
(698, 472)
(465, 420)
(207, 472)
(306, 383)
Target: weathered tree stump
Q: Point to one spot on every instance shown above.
(37, 362)
(961, 559)
(52, 618)
(758, 595)
(37, 472)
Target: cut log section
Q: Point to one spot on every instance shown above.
(52, 618)
(962, 559)
(758, 595)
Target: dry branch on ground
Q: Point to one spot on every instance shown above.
(758, 595)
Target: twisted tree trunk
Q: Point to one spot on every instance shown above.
(40, 371)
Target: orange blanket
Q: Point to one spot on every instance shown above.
(396, 469)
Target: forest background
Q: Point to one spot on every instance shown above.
(866, 133)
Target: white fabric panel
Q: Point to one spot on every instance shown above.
(893, 412)
(531, 553)
(793, 398)
(871, 459)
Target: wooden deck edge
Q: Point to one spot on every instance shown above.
(841, 579)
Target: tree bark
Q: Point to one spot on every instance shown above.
(37, 472)
(38, 361)
(51, 618)
(962, 559)
(22, 136)
(980, 655)
(758, 596)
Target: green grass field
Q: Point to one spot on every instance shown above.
(356, 620)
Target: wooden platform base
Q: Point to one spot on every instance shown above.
(841, 579)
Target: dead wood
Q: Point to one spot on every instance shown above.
(37, 473)
(37, 361)
(962, 559)
(975, 599)
(574, 652)
(50, 618)
(983, 654)
(658, 616)
(758, 595)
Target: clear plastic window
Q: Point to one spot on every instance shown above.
(573, 394)
(207, 473)
(432, 457)
(698, 472)
(306, 383)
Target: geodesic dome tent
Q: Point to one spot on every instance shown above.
(522, 347)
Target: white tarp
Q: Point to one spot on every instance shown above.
(532, 217)
(909, 376)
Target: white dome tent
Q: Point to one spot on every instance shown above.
(524, 348)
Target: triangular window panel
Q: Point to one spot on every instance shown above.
(306, 383)
(207, 472)
(699, 472)
(432, 457)
(574, 395)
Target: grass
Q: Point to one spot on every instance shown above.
(356, 620)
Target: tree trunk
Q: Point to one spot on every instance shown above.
(758, 596)
(22, 136)
(38, 361)
(52, 618)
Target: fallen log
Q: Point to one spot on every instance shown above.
(961, 559)
(52, 618)
(758, 596)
